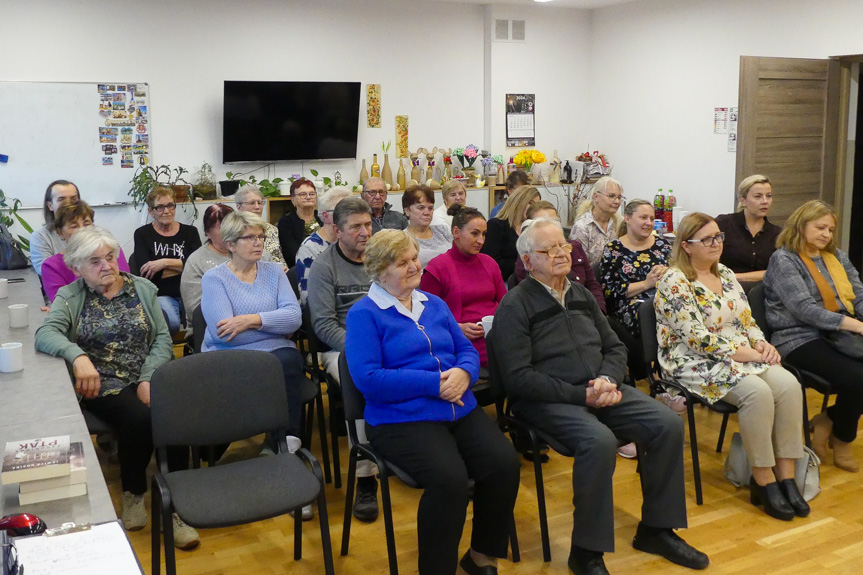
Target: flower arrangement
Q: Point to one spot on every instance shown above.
(467, 155)
(527, 158)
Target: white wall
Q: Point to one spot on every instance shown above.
(660, 67)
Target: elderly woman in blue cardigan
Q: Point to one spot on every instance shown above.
(415, 367)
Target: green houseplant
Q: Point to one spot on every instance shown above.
(148, 177)
(8, 211)
(205, 185)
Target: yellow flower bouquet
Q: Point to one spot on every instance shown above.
(527, 158)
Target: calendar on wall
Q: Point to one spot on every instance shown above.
(520, 111)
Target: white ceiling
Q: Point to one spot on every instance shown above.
(559, 3)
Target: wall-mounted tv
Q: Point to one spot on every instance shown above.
(285, 121)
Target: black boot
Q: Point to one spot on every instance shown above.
(794, 497)
(775, 504)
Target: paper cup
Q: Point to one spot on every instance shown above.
(4, 288)
(19, 315)
(486, 323)
(11, 357)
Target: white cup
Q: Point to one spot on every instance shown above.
(486, 323)
(11, 357)
(4, 288)
(19, 315)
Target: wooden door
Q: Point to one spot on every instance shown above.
(788, 128)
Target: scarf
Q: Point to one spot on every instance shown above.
(840, 280)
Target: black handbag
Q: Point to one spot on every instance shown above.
(845, 342)
(11, 256)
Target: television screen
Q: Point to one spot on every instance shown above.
(281, 121)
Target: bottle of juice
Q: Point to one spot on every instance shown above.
(670, 202)
(659, 205)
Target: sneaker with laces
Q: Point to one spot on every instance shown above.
(366, 502)
(627, 451)
(134, 514)
(185, 537)
(675, 402)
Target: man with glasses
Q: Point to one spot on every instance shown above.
(161, 250)
(337, 281)
(561, 364)
(383, 216)
(46, 242)
(315, 244)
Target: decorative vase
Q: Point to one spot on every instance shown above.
(491, 180)
(501, 174)
(400, 176)
(387, 172)
(415, 170)
(181, 192)
(376, 169)
(364, 173)
(470, 174)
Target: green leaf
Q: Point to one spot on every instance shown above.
(23, 223)
(314, 173)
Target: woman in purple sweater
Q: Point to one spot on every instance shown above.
(249, 304)
(468, 281)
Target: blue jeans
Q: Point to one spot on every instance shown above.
(172, 308)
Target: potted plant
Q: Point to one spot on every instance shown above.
(148, 177)
(8, 209)
(205, 185)
(230, 186)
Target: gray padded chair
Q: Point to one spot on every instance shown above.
(220, 397)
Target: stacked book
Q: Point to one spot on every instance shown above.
(45, 469)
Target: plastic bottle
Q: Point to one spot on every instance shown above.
(659, 205)
(668, 217)
(567, 173)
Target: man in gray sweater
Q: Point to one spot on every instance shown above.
(560, 363)
(336, 281)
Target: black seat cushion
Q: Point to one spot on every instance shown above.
(268, 487)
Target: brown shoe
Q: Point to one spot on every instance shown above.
(821, 427)
(843, 457)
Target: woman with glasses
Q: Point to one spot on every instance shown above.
(709, 342)
(299, 224)
(249, 304)
(418, 205)
(250, 199)
(161, 250)
(597, 219)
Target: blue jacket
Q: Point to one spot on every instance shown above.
(396, 366)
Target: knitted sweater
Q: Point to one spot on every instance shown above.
(270, 296)
(396, 363)
(44, 243)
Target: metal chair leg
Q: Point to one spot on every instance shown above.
(349, 500)
(513, 542)
(722, 433)
(156, 545)
(322, 432)
(388, 525)
(540, 499)
(298, 534)
(807, 436)
(693, 445)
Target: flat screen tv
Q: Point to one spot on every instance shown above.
(285, 121)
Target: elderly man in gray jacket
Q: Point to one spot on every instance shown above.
(561, 364)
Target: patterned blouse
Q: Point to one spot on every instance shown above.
(272, 244)
(113, 333)
(592, 236)
(698, 331)
(622, 267)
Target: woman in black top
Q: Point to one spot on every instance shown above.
(161, 249)
(299, 224)
(503, 229)
(750, 239)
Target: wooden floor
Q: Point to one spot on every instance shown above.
(738, 537)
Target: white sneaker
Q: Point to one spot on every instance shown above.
(134, 514)
(185, 537)
(627, 451)
(675, 402)
(308, 513)
(294, 443)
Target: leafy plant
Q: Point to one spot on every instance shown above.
(148, 177)
(9, 211)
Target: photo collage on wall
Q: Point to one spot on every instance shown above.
(124, 129)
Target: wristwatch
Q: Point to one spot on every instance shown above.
(607, 377)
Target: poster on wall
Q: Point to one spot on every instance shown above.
(123, 112)
(720, 120)
(732, 129)
(373, 105)
(402, 137)
(520, 111)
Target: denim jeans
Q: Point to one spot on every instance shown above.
(173, 308)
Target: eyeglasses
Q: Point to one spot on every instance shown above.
(556, 251)
(161, 209)
(710, 241)
(254, 238)
(376, 192)
(613, 197)
(306, 195)
(253, 203)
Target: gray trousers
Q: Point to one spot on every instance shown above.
(593, 435)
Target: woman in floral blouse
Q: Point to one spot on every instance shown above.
(632, 264)
(709, 342)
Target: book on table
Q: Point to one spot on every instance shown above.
(32, 459)
(77, 475)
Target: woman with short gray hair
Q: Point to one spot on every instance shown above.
(250, 199)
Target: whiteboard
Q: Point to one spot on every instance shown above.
(51, 131)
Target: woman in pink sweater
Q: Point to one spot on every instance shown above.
(469, 282)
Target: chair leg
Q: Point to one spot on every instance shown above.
(168, 527)
(309, 423)
(329, 569)
(322, 432)
(824, 403)
(806, 435)
(693, 445)
(298, 534)
(156, 544)
(388, 524)
(540, 499)
(334, 437)
(349, 500)
(722, 433)
(513, 541)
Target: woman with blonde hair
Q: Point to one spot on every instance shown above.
(709, 343)
(504, 229)
(814, 301)
(597, 218)
(750, 239)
